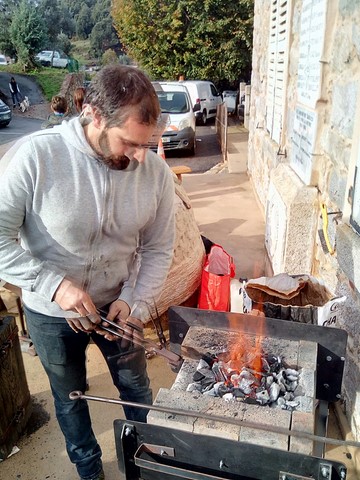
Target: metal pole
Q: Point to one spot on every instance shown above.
(77, 395)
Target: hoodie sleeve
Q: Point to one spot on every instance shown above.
(154, 255)
(17, 265)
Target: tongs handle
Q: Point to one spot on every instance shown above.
(147, 344)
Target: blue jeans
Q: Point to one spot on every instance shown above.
(15, 97)
(62, 354)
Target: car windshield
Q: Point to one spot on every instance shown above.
(173, 102)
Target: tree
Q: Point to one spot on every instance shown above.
(84, 24)
(109, 57)
(7, 9)
(27, 33)
(103, 36)
(208, 40)
(63, 43)
(51, 15)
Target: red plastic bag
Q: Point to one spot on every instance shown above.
(215, 280)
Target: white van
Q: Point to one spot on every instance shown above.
(204, 97)
(175, 101)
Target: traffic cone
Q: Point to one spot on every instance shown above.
(160, 149)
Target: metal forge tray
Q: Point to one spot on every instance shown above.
(152, 452)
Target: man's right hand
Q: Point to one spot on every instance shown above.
(72, 298)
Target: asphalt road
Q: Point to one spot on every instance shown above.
(207, 153)
(18, 127)
(27, 87)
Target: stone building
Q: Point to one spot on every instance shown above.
(304, 152)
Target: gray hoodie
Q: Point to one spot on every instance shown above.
(80, 220)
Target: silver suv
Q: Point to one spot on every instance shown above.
(175, 101)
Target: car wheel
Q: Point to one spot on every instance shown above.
(204, 117)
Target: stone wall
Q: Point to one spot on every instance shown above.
(291, 201)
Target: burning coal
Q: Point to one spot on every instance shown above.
(256, 379)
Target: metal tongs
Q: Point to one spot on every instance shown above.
(149, 345)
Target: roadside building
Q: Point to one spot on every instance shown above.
(304, 152)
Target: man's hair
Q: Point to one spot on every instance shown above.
(78, 98)
(119, 91)
(59, 104)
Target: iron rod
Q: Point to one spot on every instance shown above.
(77, 395)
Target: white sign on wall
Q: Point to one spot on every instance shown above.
(303, 142)
(312, 32)
(276, 227)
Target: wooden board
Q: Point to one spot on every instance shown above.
(15, 404)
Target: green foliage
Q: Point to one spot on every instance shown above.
(7, 9)
(84, 23)
(109, 57)
(203, 40)
(63, 43)
(102, 36)
(50, 80)
(125, 60)
(27, 33)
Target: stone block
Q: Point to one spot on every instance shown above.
(307, 354)
(177, 400)
(220, 429)
(268, 417)
(302, 422)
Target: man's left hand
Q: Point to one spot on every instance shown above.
(119, 312)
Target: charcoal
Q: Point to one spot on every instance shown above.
(238, 393)
(263, 397)
(269, 381)
(290, 405)
(210, 393)
(194, 387)
(228, 397)
(198, 376)
(209, 358)
(251, 401)
(274, 392)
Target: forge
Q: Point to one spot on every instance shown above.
(297, 355)
(196, 435)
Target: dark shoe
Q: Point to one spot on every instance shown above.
(100, 476)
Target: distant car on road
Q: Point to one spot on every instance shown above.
(231, 99)
(52, 58)
(3, 60)
(204, 97)
(175, 101)
(5, 114)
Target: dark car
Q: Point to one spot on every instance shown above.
(5, 114)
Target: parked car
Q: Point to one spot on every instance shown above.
(241, 108)
(175, 101)
(52, 58)
(5, 114)
(3, 60)
(230, 97)
(204, 98)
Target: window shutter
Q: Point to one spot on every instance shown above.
(277, 67)
(355, 213)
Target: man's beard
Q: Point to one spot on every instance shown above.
(114, 162)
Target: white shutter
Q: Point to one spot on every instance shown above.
(355, 213)
(278, 55)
